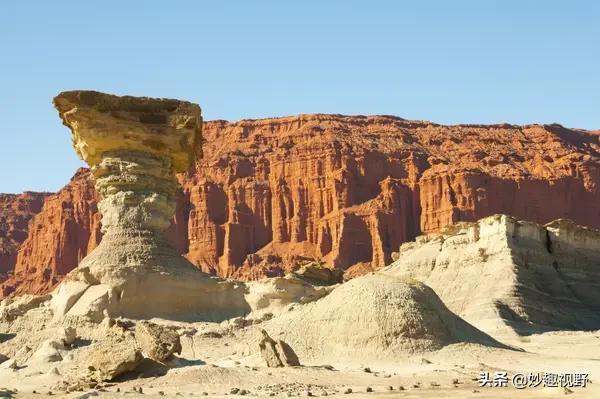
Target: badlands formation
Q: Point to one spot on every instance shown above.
(134, 147)
(270, 194)
(130, 317)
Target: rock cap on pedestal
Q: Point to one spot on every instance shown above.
(102, 123)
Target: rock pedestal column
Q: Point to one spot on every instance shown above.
(135, 146)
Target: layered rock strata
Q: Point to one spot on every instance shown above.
(508, 276)
(134, 147)
(15, 212)
(58, 237)
(272, 194)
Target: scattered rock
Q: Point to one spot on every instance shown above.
(12, 308)
(10, 364)
(157, 342)
(23, 354)
(241, 322)
(277, 353)
(48, 352)
(318, 274)
(113, 357)
(211, 334)
(67, 335)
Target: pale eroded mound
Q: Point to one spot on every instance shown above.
(373, 317)
(506, 276)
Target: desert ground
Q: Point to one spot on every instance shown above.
(223, 360)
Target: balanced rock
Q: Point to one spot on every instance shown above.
(157, 342)
(135, 146)
(277, 353)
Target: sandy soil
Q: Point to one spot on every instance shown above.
(216, 367)
(399, 339)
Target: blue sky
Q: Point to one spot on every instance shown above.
(445, 61)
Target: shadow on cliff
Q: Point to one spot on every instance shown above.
(575, 138)
(524, 327)
(463, 331)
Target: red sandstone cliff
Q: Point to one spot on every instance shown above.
(15, 212)
(347, 190)
(59, 236)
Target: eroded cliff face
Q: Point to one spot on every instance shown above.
(346, 190)
(15, 212)
(59, 236)
(506, 276)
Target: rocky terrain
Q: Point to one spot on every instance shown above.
(134, 317)
(510, 277)
(385, 334)
(65, 228)
(345, 190)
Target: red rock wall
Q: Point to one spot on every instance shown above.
(345, 190)
(59, 236)
(15, 212)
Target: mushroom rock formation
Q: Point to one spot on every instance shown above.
(135, 146)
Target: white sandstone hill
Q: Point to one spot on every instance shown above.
(374, 317)
(508, 276)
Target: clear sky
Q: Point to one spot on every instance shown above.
(445, 61)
